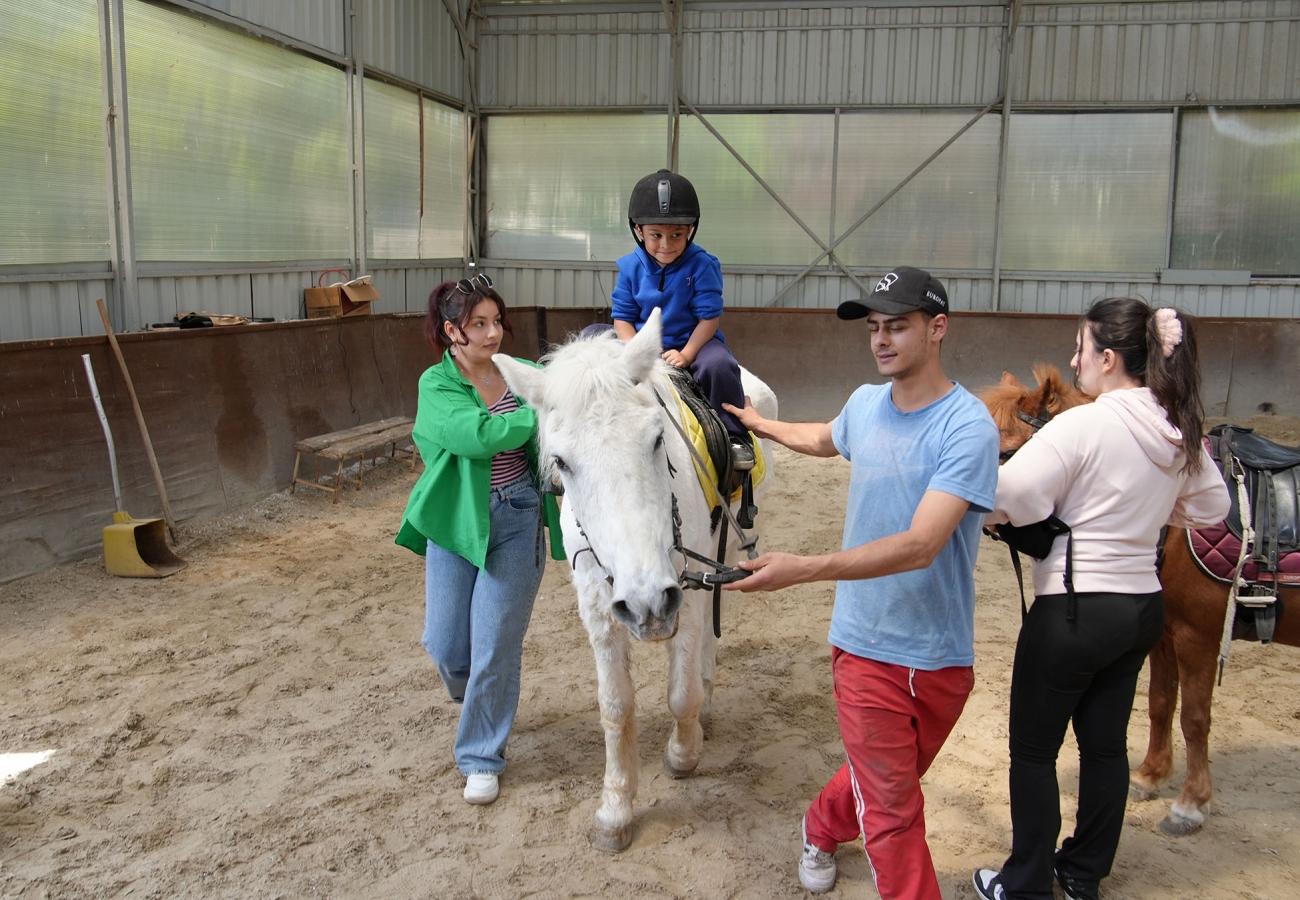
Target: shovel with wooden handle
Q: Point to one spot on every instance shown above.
(133, 548)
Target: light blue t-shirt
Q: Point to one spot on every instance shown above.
(924, 619)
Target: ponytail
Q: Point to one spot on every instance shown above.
(1174, 376)
(1157, 347)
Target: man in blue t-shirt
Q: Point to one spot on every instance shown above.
(925, 466)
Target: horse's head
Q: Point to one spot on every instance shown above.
(1019, 411)
(602, 432)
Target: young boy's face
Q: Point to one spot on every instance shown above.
(664, 243)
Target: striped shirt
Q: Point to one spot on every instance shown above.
(509, 464)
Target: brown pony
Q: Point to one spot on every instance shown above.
(1195, 606)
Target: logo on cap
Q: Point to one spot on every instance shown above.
(885, 283)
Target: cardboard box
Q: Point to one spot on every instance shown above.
(337, 300)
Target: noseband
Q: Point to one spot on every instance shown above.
(1034, 422)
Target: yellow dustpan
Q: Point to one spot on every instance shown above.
(133, 548)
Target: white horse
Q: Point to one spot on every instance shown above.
(623, 464)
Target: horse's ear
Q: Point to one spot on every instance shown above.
(642, 353)
(523, 380)
(1008, 380)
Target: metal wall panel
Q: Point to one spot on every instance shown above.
(416, 40)
(35, 310)
(315, 22)
(843, 56)
(1211, 52)
(531, 283)
(787, 57)
(587, 60)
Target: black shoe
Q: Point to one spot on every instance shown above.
(1076, 888)
(742, 455)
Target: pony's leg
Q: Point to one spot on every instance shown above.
(1197, 657)
(612, 829)
(1161, 700)
(685, 695)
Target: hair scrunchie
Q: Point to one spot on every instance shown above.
(1170, 329)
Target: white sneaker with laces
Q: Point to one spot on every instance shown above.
(816, 866)
(481, 787)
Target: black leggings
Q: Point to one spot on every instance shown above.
(1086, 673)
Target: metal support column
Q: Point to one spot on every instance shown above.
(125, 303)
(673, 14)
(473, 129)
(1008, 45)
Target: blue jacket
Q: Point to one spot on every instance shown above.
(687, 290)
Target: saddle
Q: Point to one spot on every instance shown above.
(1270, 476)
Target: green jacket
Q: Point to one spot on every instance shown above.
(457, 438)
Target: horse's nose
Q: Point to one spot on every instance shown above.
(655, 622)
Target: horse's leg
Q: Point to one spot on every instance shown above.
(686, 692)
(708, 669)
(612, 829)
(1197, 656)
(1161, 700)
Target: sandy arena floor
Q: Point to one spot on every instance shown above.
(266, 723)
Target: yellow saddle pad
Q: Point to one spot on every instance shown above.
(708, 474)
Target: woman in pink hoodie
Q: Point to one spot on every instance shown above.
(1115, 471)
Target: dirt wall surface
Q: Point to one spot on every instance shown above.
(266, 724)
(224, 406)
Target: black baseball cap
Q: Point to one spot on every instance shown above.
(900, 292)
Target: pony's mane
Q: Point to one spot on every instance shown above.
(582, 370)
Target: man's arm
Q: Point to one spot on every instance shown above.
(934, 522)
(808, 438)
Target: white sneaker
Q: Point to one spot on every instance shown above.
(481, 788)
(816, 866)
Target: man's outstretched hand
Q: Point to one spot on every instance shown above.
(772, 571)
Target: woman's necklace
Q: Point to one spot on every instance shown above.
(487, 379)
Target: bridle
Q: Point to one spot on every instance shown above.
(722, 573)
(1034, 422)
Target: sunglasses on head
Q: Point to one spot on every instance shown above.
(468, 285)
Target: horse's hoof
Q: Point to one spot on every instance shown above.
(610, 840)
(1175, 827)
(1140, 792)
(676, 772)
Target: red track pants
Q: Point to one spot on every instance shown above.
(893, 720)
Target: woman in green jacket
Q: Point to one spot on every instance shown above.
(476, 516)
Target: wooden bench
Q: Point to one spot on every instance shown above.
(390, 435)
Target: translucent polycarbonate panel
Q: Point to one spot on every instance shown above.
(558, 185)
(442, 228)
(942, 218)
(740, 222)
(1237, 200)
(239, 147)
(1087, 192)
(52, 149)
(392, 172)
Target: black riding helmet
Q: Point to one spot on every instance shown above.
(663, 198)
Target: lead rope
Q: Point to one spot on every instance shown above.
(1247, 538)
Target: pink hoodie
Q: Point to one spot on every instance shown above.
(1112, 471)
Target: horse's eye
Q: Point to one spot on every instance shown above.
(561, 464)
(659, 442)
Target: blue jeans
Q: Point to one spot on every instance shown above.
(475, 619)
